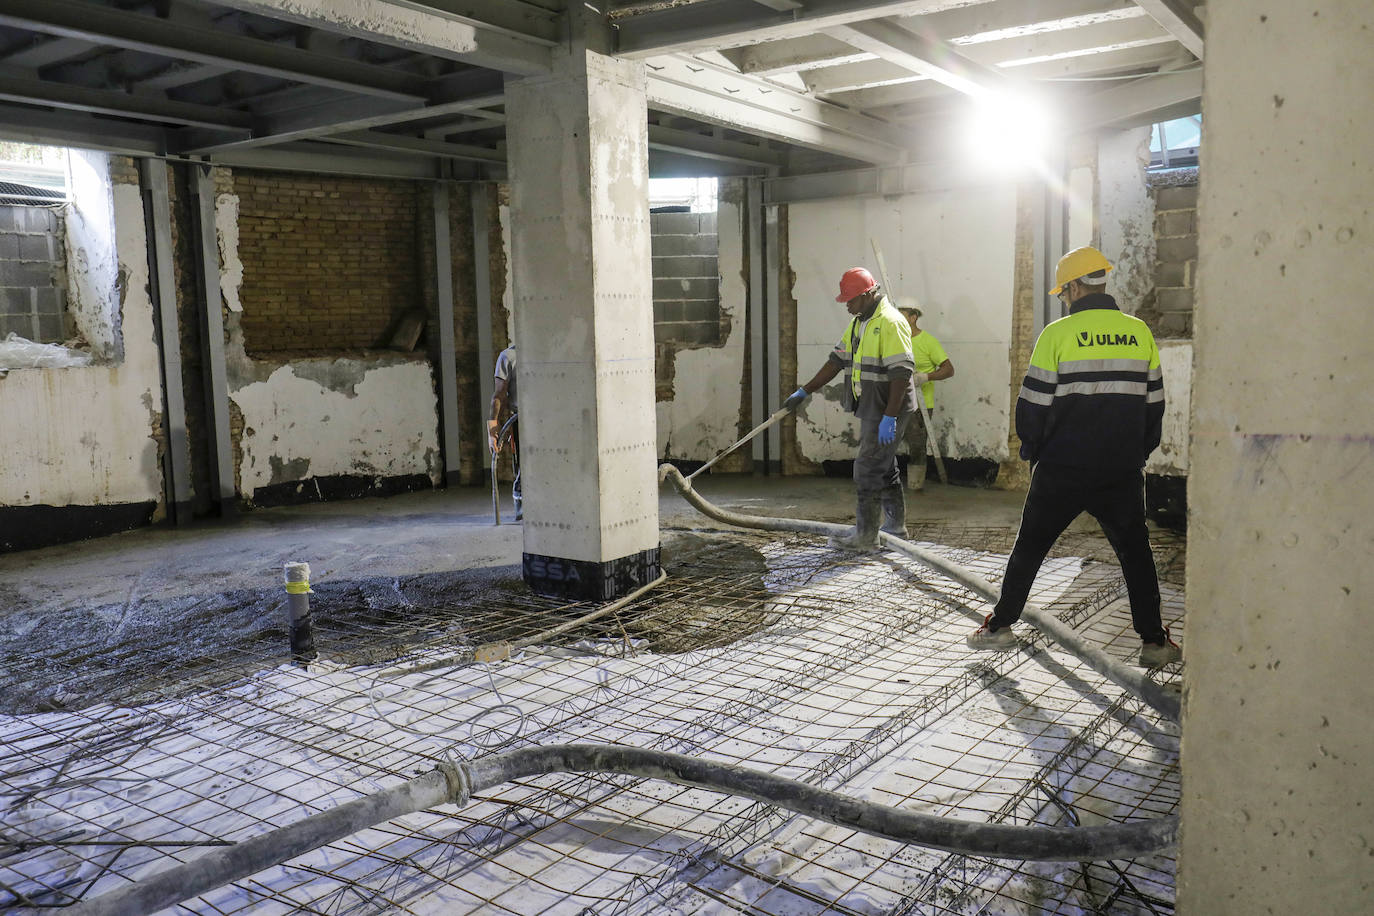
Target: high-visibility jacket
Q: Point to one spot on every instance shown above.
(871, 360)
(1093, 396)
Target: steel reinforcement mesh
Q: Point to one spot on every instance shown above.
(768, 651)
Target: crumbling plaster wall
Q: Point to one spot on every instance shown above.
(703, 415)
(1127, 226)
(88, 436)
(367, 414)
(951, 251)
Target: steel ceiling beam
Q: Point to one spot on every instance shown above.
(922, 55)
(47, 51)
(80, 130)
(716, 24)
(716, 94)
(111, 102)
(1070, 68)
(794, 55)
(376, 139)
(1010, 18)
(1158, 97)
(672, 140)
(1179, 20)
(1006, 54)
(416, 27)
(109, 26)
(342, 116)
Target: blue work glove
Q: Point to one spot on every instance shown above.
(796, 399)
(887, 430)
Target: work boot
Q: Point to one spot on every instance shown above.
(1157, 655)
(864, 535)
(894, 511)
(986, 638)
(916, 475)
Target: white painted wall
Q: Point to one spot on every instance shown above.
(84, 436)
(1277, 808)
(1176, 362)
(295, 427)
(952, 251)
(92, 261)
(703, 416)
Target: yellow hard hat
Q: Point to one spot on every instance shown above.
(1078, 263)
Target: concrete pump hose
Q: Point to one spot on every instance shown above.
(1157, 697)
(458, 781)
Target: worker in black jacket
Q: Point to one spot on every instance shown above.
(1089, 414)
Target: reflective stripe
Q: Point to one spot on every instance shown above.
(1107, 387)
(868, 376)
(1042, 398)
(1155, 397)
(1156, 374)
(1044, 375)
(1104, 365)
(896, 358)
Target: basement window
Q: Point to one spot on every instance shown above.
(1174, 144)
(682, 219)
(33, 201)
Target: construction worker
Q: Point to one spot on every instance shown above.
(875, 354)
(1089, 414)
(932, 365)
(503, 406)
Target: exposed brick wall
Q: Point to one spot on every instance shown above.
(33, 282)
(329, 262)
(1175, 193)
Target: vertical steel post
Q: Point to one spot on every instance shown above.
(481, 256)
(758, 351)
(772, 349)
(212, 342)
(176, 459)
(448, 369)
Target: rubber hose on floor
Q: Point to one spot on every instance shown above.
(1161, 700)
(457, 782)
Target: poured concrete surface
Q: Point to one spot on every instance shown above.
(410, 534)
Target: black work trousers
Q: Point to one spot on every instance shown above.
(1116, 498)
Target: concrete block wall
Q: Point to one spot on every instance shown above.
(330, 262)
(1175, 231)
(686, 278)
(32, 273)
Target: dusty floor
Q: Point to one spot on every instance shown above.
(183, 602)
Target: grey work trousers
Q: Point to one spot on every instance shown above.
(875, 467)
(916, 437)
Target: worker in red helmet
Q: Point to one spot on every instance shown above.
(874, 353)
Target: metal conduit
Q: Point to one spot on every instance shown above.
(456, 782)
(1163, 701)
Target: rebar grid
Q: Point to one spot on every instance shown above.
(767, 651)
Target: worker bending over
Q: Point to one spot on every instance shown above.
(1089, 414)
(875, 355)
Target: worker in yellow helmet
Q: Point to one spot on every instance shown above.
(1089, 414)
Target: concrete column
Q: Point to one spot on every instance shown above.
(1278, 729)
(578, 159)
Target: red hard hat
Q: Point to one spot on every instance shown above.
(855, 282)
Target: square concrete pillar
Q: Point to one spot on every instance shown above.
(1278, 725)
(578, 158)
